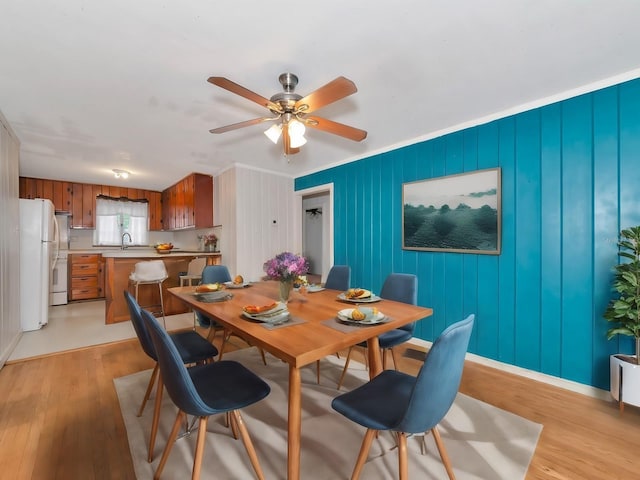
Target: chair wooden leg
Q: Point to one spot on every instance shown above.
(164, 320)
(147, 394)
(318, 371)
(233, 424)
(156, 418)
(197, 458)
(443, 453)
(383, 354)
(395, 359)
(225, 337)
(170, 441)
(344, 370)
(264, 359)
(211, 334)
(403, 464)
(248, 444)
(364, 453)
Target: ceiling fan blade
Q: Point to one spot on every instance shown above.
(335, 90)
(246, 123)
(286, 142)
(244, 92)
(336, 128)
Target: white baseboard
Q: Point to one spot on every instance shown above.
(523, 372)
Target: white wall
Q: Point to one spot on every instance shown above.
(10, 330)
(256, 216)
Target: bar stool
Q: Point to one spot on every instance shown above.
(151, 272)
(194, 272)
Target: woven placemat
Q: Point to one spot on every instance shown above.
(292, 321)
(346, 328)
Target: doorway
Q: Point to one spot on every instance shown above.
(315, 230)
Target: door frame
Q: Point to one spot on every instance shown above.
(299, 195)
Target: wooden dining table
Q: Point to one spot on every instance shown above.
(312, 333)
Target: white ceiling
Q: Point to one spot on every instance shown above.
(93, 85)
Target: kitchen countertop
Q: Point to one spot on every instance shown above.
(142, 252)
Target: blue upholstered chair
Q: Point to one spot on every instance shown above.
(190, 345)
(406, 404)
(217, 274)
(212, 274)
(339, 278)
(400, 287)
(205, 390)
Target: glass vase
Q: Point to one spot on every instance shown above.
(285, 287)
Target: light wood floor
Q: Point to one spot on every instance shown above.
(60, 419)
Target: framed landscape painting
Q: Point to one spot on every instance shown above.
(457, 213)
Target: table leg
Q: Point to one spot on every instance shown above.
(373, 352)
(295, 431)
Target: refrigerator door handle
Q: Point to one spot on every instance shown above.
(56, 242)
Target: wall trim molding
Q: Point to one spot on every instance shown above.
(530, 374)
(524, 107)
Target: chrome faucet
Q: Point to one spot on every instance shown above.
(127, 234)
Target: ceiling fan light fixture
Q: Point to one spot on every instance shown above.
(273, 132)
(296, 133)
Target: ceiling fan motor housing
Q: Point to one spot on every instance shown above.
(287, 99)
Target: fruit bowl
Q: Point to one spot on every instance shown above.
(164, 248)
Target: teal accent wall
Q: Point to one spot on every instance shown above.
(570, 182)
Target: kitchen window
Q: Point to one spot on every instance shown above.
(117, 216)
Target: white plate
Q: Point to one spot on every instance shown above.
(314, 288)
(237, 285)
(277, 314)
(371, 299)
(371, 319)
(208, 297)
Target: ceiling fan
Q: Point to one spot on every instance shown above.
(291, 111)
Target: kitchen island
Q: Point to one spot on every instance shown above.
(120, 263)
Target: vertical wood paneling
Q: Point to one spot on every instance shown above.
(527, 217)
(577, 227)
(439, 269)
(470, 262)
(551, 239)
(506, 267)
(424, 163)
(487, 314)
(453, 261)
(605, 216)
(570, 181)
(629, 138)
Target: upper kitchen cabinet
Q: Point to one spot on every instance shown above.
(62, 196)
(57, 191)
(188, 203)
(155, 210)
(83, 204)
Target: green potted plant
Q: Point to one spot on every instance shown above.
(623, 312)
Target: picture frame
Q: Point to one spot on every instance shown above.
(456, 213)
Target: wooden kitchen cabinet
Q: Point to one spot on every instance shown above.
(79, 199)
(86, 276)
(62, 195)
(82, 206)
(155, 210)
(58, 192)
(188, 203)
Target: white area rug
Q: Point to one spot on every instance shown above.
(483, 442)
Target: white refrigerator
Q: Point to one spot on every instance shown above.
(38, 252)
